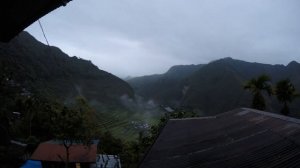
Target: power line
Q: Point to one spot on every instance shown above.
(43, 32)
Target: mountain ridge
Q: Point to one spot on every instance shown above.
(216, 86)
(39, 67)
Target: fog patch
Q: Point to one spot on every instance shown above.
(149, 109)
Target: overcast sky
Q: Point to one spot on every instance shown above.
(140, 37)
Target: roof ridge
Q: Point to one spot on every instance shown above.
(274, 115)
(194, 118)
(265, 113)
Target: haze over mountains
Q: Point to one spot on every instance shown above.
(215, 87)
(205, 88)
(48, 70)
(49, 73)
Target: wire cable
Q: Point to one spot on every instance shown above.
(43, 32)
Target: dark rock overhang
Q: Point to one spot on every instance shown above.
(16, 15)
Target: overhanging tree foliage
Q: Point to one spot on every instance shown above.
(74, 125)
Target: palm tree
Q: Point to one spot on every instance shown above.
(257, 86)
(285, 92)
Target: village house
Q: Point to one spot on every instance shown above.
(52, 154)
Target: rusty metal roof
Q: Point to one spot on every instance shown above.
(236, 139)
(51, 151)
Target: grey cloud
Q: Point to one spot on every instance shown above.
(134, 37)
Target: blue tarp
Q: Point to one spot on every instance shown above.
(32, 164)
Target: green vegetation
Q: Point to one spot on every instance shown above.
(257, 86)
(30, 67)
(148, 138)
(42, 118)
(285, 92)
(49, 72)
(133, 151)
(124, 124)
(216, 87)
(46, 94)
(74, 125)
(165, 88)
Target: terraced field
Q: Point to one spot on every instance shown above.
(125, 125)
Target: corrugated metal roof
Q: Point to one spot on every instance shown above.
(50, 151)
(236, 139)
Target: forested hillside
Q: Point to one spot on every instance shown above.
(165, 88)
(48, 71)
(215, 87)
(46, 94)
(29, 68)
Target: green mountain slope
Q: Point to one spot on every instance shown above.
(217, 86)
(50, 73)
(40, 68)
(165, 88)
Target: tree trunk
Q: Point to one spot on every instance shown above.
(30, 126)
(285, 110)
(258, 102)
(67, 159)
(67, 147)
